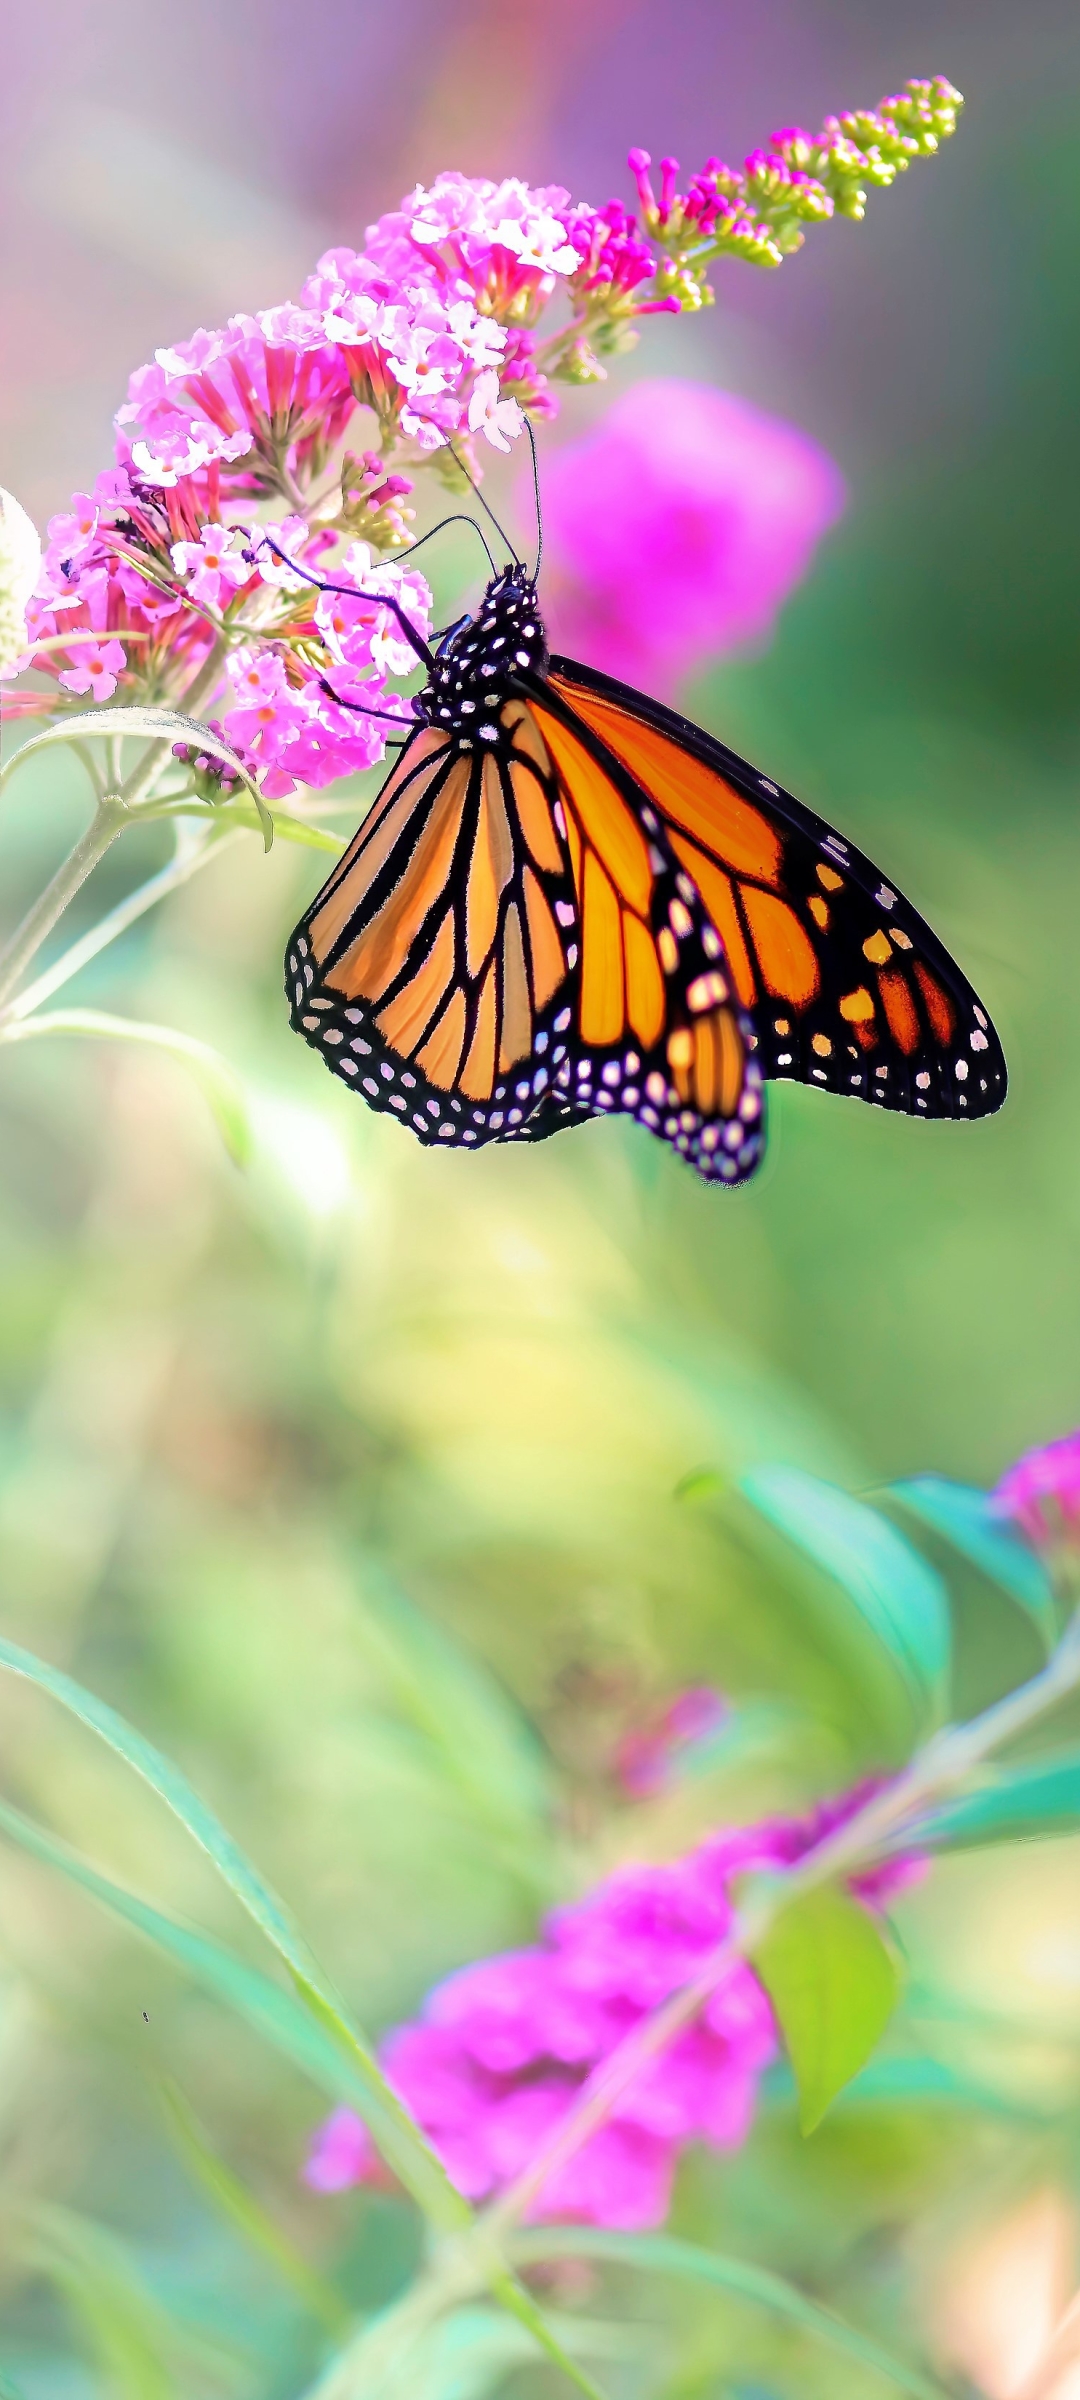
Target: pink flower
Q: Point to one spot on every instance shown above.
(96, 669)
(648, 1758)
(500, 420)
(1041, 1493)
(342, 2153)
(211, 562)
(502, 2049)
(678, 528)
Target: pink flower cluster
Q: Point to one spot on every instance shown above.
(1041, 1493)
(502, 2049)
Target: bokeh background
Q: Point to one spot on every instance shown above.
(237, 1407)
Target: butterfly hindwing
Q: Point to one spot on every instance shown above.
(845, 984)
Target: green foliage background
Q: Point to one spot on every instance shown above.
(352, 1478)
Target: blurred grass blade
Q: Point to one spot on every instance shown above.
(472, 2351)
(1020, 1804)
(834, 1986)
(899, 1596)
(963, 1517)
(9, 2389)
(482, 1740)
(661, 2254)
(240, 2209)
(159, 725)
(216, 1079)
(281, 2019)
(134, 2341)
(408, 2153)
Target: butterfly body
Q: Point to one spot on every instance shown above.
(569, 902)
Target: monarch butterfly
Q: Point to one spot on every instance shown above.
(569, 902)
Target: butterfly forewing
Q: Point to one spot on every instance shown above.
(845, 985)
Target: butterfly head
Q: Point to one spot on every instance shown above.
(479, 661)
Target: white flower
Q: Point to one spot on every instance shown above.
(498, 419)
(20, 565)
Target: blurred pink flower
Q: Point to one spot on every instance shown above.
(502, 2049)
(648, 1757)
(1041, 1493)
(678, 528)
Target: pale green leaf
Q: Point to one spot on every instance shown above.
(156, 724)
(964, 1517)
(660, 2254)
(834, 1986)
(392, 2128)
(282, 2020)
(899, 1596)
(215, 1077)
(1016, 1804)
(240, 2209)
(136, 2345)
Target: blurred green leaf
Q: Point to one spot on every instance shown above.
(239, 2208)
(888, 2082)
(392, 2127)
(484, 1744)
(1020, 1804)
(661, 2254)
(469, 2353)
(834, 1987)
(283, 2021)
(138, 2347)
(215, 1078)
(160, 725)
(963, 1516)
(9, 2389)
(899, 1596)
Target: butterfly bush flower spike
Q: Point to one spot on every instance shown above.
(435, 329)
(502, 2049)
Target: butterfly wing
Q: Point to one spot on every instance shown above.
(434, 970)
(845, 984)
(503, 950)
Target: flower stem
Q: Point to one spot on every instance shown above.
(108, 820)
(189, 857)
(945, 1762)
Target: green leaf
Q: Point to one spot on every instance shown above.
(9, 2389)
(272, 2011)
(898, 1595)
(661, 2254)
(400, 2141)
(484, 1745)
(160, 725)
(834, 1987)
(1019, 1804)
(963, 1516)
(134, 2341)
(240, 2209)
(216, 1079)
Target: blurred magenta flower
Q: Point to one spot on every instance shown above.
(678, 528)
(649, 1756)
(1041, 1493)
(501, 2049)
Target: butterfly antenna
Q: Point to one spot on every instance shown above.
(349, 591)
(539, 510)
(457, 519)
(489, 511)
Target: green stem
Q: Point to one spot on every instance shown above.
(190, 856)
(108, 820)
(159, 754)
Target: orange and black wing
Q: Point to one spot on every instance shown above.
(845, 985)
(504, 950)
(434, 969)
